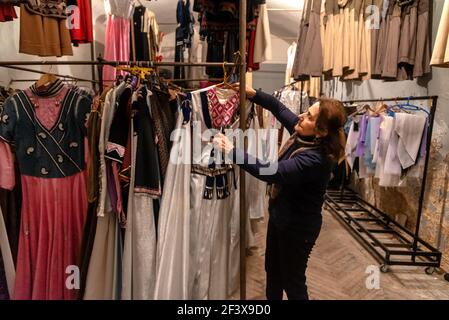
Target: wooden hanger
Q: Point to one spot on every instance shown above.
(225, 82)
(140, 72)
(45, 81)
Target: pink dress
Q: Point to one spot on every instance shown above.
(116, 47)
(53, 215)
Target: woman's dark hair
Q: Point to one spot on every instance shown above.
(330, 122)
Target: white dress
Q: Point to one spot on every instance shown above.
(173, 246)
(198, 238)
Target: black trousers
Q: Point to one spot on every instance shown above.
(286, 256)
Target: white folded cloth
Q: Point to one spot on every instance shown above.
(409, 128)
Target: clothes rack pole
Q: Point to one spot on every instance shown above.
(100, 72)
(243, 116)
(133, 41)
(184, 79)
(43, 72)
(393, 99)
(197, 79)
(34, 80)
(119, 63)
(426, 166)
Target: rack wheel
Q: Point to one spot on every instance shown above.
(446, 277)
(430, 270)
(384, 268)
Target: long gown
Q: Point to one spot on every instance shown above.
(48, 130)
(197, 249)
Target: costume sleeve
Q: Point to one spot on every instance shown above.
(8, 120)
(290, 171)
(82, 111)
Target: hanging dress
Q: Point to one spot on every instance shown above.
(117, 32)
(139, 257)
(328, 42)
(340, 17)
(198, 232)
(408, 40)
(309, 56)
(49, 132)
(422, 56)
(390, 62)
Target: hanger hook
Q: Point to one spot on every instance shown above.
(225, 74)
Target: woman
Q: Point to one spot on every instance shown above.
(297, 187)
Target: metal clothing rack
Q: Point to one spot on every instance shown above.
(42, 72)
(389, 242)
(243, 116)
(101, 62)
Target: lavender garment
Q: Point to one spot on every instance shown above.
(362, 136)
(3, 287)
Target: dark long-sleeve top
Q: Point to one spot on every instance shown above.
(303, 178)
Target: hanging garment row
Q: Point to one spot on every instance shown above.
(133, 133)
(388, 142)
(100, 192)
(344, 39)
(219, 21)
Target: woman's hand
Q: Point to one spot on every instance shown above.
(221, 142)
(250, 92)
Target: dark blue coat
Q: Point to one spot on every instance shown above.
(303, 178)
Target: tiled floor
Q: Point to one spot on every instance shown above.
(337, 270)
